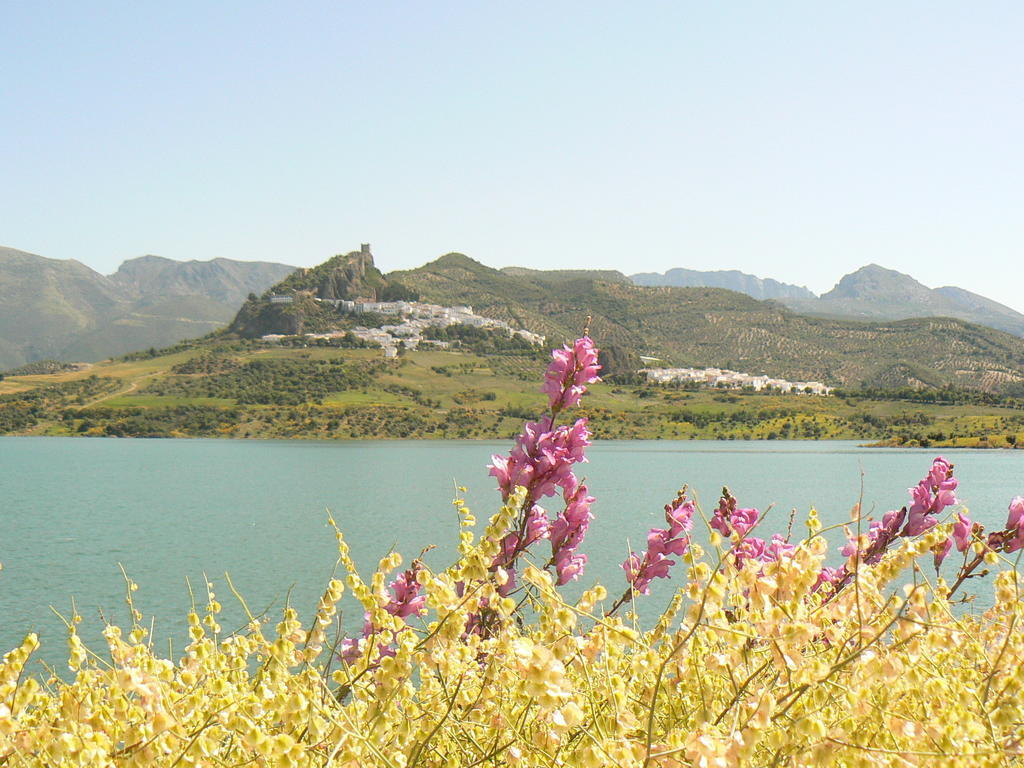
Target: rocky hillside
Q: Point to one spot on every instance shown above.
(223, 281)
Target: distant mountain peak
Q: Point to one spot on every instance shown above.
(876, 281)
(880, 293)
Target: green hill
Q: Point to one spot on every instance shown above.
(717, 327)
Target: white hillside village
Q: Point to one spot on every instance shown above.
(726, 379)
(412, 318)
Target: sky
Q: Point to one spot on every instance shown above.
(793, 140)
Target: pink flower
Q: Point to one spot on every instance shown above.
(761, 551)
(940, 476)
(569, 528)
(728, 518)
(829, 576)
(930, 497)
(962, 532)
(1016, 513)
(542, 459)
(881, 533)
(1015, 526)
(570, 370)
(661, 542)
(641, 570)
(509, 550)
(918, 521)
(778, 547)
(349, 650)
(537, 525)
(751, 548)
(569, 566)
(407, 600)
(679, 517)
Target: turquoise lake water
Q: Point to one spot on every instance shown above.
(167, 510)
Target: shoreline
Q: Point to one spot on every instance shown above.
(879, 444)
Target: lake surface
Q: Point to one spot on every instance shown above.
(167, 510)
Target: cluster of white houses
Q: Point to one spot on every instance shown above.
(412, 318)
(721, 377)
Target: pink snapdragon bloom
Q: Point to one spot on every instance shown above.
(728, 519)
(542, 459)
(933, 494)
(569, 566)
(641, 570)
(679, 517)
(537, 525)
(655, 563)
(881, 533)
(567, 532)
(350, 650)
(758, 550)
(569, 372)
(962, 532)
(661, 542)
(1015, 517)
(828, 576)
(569, 528)
(778, 548)
(406, 599)
(1014, 539)
(509, 550)
(752, 548)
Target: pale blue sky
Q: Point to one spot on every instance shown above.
(796, 140)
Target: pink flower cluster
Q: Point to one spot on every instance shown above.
(758, 550)
(542, 459)
(728, 519)
(881, 533)
(655, 562)
(567, 532)
(929, 497)
(965, 533)
(933, 494)
(571, 369)
(405, 601)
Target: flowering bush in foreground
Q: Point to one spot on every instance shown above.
(765, 656)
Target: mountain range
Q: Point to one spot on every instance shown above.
(871, 293)
(733, 280)
(62, 309)
(877, 327)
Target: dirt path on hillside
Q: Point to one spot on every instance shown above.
(111, 395)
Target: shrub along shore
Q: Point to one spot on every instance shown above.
(248, 391)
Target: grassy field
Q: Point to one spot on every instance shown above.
(329, 393)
